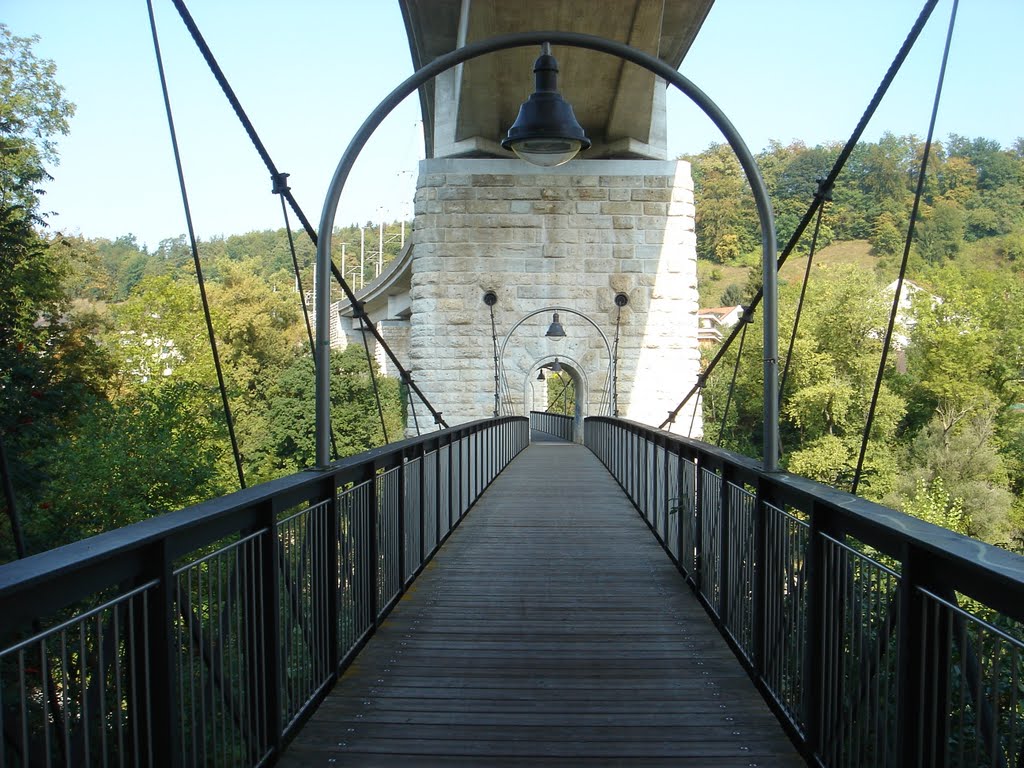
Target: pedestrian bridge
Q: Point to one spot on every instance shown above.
(473, 597)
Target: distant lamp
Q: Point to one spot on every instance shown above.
(556, 367)
(546, 132)
(555, 330)
(540, 375)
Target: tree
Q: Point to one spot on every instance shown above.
(33, 112)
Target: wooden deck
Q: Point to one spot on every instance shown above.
(551, 629)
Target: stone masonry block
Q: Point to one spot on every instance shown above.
(554, 221)
(588, 206)
(623, 222)
(490, 206)
(618, 194)
(550, 193)
(494, 179)
(651, 195)
(562, 235)
(588, 193)
(621, 181)
(511, 193)
(455, 193)
(630, 209)
(550, 206)
(591, 235)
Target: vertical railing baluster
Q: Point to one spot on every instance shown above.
(816, 638)
(269, 634)
(332, 564)
(163, 692)
(725, 563)
(422, 520)
(698, 523)
(764, 496)
(402, 483)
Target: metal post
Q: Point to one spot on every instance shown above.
(163, 692)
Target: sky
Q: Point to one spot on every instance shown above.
(308, 72)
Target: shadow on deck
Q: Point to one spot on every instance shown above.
(551, 629)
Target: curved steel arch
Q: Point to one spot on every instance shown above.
(578, 40)
(611, 361)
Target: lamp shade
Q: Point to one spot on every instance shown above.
(546, 132)
(556, 367)
(540, 375)
(555, 330)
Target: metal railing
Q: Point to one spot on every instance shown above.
(556, 424)
(877, 638)
(205, 636)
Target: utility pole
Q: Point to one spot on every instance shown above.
(362, 256)
(380, 241)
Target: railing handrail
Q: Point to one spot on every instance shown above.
(993, 575)
(118, 550)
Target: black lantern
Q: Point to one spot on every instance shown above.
(555, 330)
(546, 132)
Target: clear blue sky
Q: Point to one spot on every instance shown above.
(308, 72)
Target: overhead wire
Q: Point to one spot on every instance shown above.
(840, 162)
(195, 252)
(894, 311)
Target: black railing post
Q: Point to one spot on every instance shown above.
(924, 680)
(332, 562)
(760, 584)
(423, 504)
(437, 495)
(814, 656)
(402, 504)
(269, 654)
(373, 545)
(163, 691)
(666, 485)
(724, 540)
(681, 508)
(698, 524)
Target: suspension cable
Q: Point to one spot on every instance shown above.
(840, 162)
(696, 405)
(906, 252)
(350, 295)
(827, 196)
(615, 362)
(373, 377)
(195, 251)
(412, 407)
(490, 299)
(744, 321)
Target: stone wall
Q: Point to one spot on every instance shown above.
(542, 239)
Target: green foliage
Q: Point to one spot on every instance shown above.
(561, 391)
(33, 112)
(932, 502)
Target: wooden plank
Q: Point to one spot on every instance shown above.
(551, 629)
